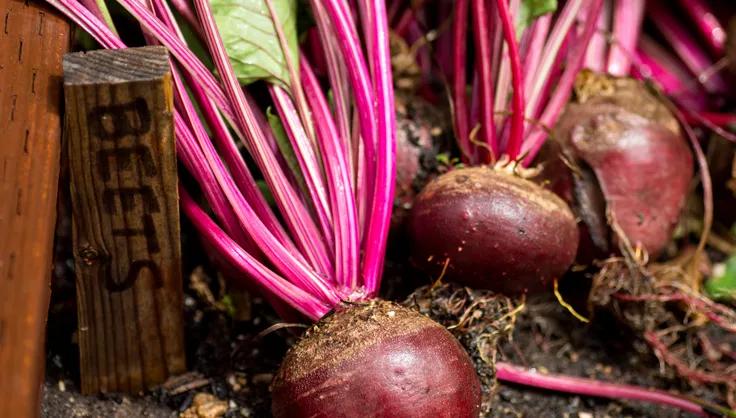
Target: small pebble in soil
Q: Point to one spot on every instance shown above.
(205, 405)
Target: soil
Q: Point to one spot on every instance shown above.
(234, 347)
(231, 358)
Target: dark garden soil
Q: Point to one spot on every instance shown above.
(235, 343)
(233, 352)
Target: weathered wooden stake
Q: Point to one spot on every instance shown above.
(33, 39)
(122, 165)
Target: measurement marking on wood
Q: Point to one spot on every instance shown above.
(25, 142)
(11, 266)
(41, 16)
(2, 330)
(19, 202)
(20, 51)
(33, 81)
(7, 15)
(13, 100)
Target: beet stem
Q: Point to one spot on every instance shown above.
(596, 54)
(537, 135)
(581, 386)
(707, 23)
(459, 96)
(685, 46)
(481, 36)
(627, 18)
(517, 80)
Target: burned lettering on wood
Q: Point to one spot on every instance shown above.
(127, 197)
(135, 269)
(123, 158)
(125, 208)
(120, 120)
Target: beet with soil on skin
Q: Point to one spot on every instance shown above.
(499, 231)
(376, 360)
(421, 135)
(640, 164)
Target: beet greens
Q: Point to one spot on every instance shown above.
(330, 244)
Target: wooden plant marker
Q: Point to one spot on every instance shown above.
(122, 163)
(33, 39)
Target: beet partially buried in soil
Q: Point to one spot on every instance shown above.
(493, 230)
(625, 148)
(376, 359)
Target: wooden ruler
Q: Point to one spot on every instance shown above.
(33, 39)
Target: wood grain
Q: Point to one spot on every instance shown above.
(125, 218)
(33, 39)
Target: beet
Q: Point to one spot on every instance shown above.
(380, 360)
(626, 146)
(499, 231)
(421, 135)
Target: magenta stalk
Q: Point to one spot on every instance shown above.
(509, 373)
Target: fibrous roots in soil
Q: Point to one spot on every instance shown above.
(691, 335)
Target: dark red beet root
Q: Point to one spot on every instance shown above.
(421, 134)
(499, 231)
(632, 144)
(376, 360)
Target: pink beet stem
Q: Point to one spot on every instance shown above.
(595, 56)
(627, 18)
(590, 387)
(517, 79)
(459, 95)
(686, 47)
(481, 38)
(707, 23)
(718, 119)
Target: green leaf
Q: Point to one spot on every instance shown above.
(84, 41)
(193, 41)
(250, 39)
(287, 151)
(530, 10)
(227, 303)
(722, 286)
(263, 187)
(106, 15)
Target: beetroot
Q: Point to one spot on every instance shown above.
(497, 230)
(640, 164)
(380, 360)
(421, 135)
